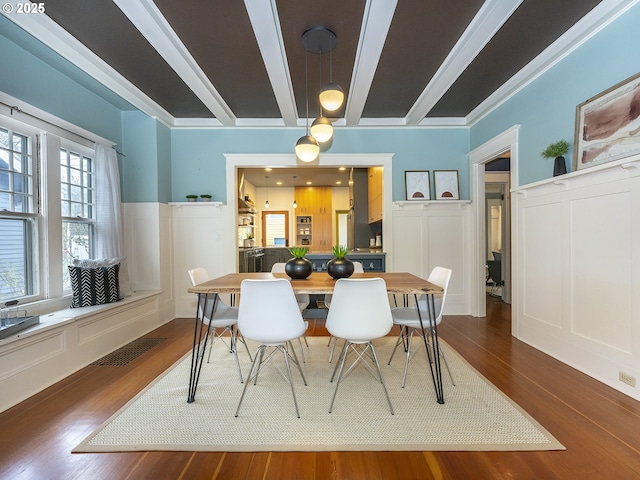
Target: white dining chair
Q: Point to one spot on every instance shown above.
(224, 319)
(269, 315)
(409, 322)
(303, 300)
(357, 268)
(359, 313)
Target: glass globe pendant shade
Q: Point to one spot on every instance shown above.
(331, 96)
(307, 148)
(322, 129)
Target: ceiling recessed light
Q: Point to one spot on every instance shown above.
(309, 183)
(268, 169)
(278, 182)
(338, 182)
(342, 169)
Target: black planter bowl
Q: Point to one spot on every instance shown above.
(340, 268)
(298, 268)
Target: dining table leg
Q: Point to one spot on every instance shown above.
(434, 365)
(200, 346)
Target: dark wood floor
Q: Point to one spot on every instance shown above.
(599, 426)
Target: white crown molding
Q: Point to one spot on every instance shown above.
(378, 15)
(482, 28)
(146, 17)
(59, 40)
(601, 16)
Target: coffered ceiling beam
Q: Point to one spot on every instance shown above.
(375, 27)
(263, 15)
(482, 28)
(146, 17)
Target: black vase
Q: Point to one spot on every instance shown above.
(559, 167)
(340, 268)
(298, 268)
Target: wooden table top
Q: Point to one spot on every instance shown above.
(319, 283)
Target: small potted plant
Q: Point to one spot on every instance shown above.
(557, 150)
(192, 198)
(249, 240)
(206, 197)
(340, 266)
(299, 267)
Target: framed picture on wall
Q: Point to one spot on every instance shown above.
(446, 184)
(608, 125)
(417, 185)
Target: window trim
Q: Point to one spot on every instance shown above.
(50, 133)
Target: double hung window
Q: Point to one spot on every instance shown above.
(18, 215)
(77, 195)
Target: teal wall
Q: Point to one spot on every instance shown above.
(28, 78)
(146, 170)
(198, 162)
(546, 108)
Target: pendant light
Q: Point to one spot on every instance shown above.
(307, 147)
(331, 94)
(266, 204)
(295, 204)
(321, 128)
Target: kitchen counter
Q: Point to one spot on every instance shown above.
(373, 260)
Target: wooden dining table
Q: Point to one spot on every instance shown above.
(398, 283)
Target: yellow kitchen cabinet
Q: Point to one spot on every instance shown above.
(316, 202)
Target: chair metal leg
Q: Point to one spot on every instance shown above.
(384, 386)
(361, 357)
(302, 349)
(254, 365)
(255, 370)
(293, 392)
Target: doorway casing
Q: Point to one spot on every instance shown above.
(507, 141)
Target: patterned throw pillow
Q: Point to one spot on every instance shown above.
(123, 276)
(94, 286)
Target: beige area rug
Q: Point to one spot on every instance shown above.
(475, 415)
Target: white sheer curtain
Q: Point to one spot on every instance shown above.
(109, 235)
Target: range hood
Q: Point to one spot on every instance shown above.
(244, 207)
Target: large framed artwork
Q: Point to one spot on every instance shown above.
(416, 184)
(608, 125)
(446, 184)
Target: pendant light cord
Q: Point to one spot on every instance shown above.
(306, 76)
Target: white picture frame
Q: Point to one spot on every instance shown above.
(446, 183)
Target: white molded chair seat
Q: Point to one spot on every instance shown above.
(359, 313)
(269, 315)
(409, 322)
(303, 300)
(357, 268)
(224, 319)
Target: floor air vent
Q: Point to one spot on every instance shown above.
(129, 352)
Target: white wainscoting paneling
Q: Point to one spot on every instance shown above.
(427, 235)
(578, 270)
(199, 240)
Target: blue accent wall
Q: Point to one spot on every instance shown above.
(198, 162)
(26, 77)
(546, 108)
